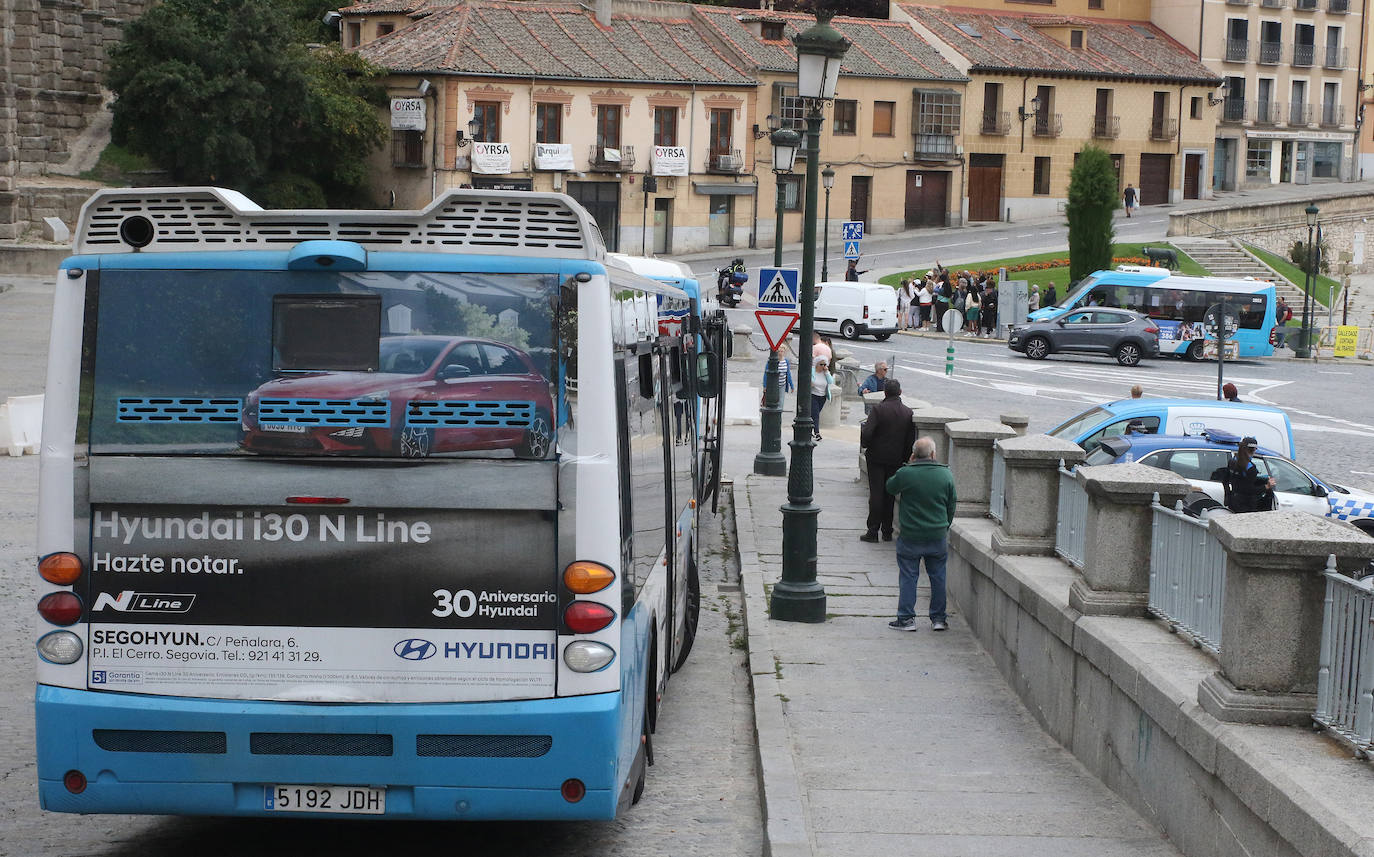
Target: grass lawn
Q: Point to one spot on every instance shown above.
(115, 165)
(1322, 291)
(1059, 275)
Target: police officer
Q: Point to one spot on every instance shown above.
(1245, 489)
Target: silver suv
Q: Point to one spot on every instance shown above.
(1125, 335)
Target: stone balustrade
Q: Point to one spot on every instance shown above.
(970, 458)
(1030, 492)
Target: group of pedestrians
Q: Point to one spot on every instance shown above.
(924, 300)
(905, 478)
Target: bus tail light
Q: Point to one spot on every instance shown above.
(573, 790)
(75, 781)
(586, 617)
(60, 647)
(587, 656)
(60, 608)
(63, 569)
(587, 577)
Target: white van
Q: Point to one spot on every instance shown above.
(855, 309)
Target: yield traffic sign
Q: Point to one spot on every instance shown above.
(776, 324)
(778, 288)
(852, 230)
(851, 249)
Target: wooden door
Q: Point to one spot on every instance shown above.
(1155, 173)
(985, 188)
(859, 187)
(1192, 174)
(927, 198)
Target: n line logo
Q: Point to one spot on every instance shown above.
(129, 601)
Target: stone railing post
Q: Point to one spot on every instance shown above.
(1116, 549)
(931, 422)
(970, 458)
(834, 409)
(743, 347)
(1018, 422)
(1271, 623)
(1030, 492)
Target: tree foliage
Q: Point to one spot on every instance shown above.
(218, 91)
(1092, 199)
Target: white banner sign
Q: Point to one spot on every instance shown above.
(553, 156)
(323, 664)
(407, 114)
(491, 158)
(670, 161)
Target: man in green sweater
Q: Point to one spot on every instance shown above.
(924, 514)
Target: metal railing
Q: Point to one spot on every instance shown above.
(1106, 127)
(1270, 53)
(1233, 110)
(1333, 115)
(1336, 57)
(1303, 54)
(1187, 575)
(1267, 112)
(1345, 666)
(1274, 4)
(610, 159)
(1163, 128)
(1300, 114)
(1305, 5)
(1048, 124)
(1070, 531)
(996, 123)
(724, 161)
(997, 491)
(1237, 50)
(1338, 7)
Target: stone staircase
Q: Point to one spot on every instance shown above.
(1224, 259)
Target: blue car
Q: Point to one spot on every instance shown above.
(1269, 426)
(1198, 457)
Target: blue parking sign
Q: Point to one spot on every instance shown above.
(851, 249)
(778, 288)
(852, 230)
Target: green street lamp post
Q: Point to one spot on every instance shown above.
(799, 597)
(1304, 348)
(828, 180)
(770, 461)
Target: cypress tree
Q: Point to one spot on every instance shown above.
(1092, 199)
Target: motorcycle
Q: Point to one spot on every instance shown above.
(730, 282)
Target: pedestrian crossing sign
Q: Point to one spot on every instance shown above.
(851, 249)
(852, 230)
(778, 288)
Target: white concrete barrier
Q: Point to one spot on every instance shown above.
(741, 404)
(21, 424)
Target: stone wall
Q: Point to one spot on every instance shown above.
(1274, 226)
(53, 52)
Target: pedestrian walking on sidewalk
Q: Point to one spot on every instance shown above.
(1130, 196)
(886, 438)
(924, 513)
(821, 379)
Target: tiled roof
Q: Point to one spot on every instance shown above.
(555, 40)
(1120, 49)
(404, 7)
(880, 48)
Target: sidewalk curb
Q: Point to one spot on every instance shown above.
(784, 816)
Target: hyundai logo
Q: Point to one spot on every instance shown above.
(416, 649)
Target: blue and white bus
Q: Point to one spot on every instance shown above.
(373, 513)
(1177, 305)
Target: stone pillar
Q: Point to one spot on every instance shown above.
(970, 458)
(1116, 552)
(1017, 422)
(1030, 492)
(831, 413)
(742, 347)
(931, 422)
(848, 375)
(1271, 624)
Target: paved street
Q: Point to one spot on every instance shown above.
(701, 797)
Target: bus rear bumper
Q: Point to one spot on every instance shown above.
(163, 755)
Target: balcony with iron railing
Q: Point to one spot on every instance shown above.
(1305, 5)
(1336, 57)
(1303, 54)
(1048, 124)
(1299, 114)
(1233, 110)
(1106, 127)
(1338, 7)
(1237, 50)
(1163, 128)
(996, 123)
(610, 159)
(1333, 115)
(1266, 112)
(1274, 4)
(728, 161)
(1270, 53)
(938, 143)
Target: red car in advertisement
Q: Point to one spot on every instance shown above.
(431, 395)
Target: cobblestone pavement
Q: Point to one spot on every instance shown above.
(701, 797)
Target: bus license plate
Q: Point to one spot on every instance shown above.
(360, 800)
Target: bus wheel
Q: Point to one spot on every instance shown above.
(415, 442)
(693, 617)
(1194, 352)
(538, 437)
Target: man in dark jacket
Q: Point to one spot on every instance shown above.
(886, 437)
(927, 510)
(1245, 489)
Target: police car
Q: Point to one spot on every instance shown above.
(1197, 457)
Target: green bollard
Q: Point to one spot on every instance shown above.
(949, 360)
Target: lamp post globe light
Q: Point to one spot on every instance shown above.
(799, 597)
(770, 461)
(827, 181)
(1304, 348)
